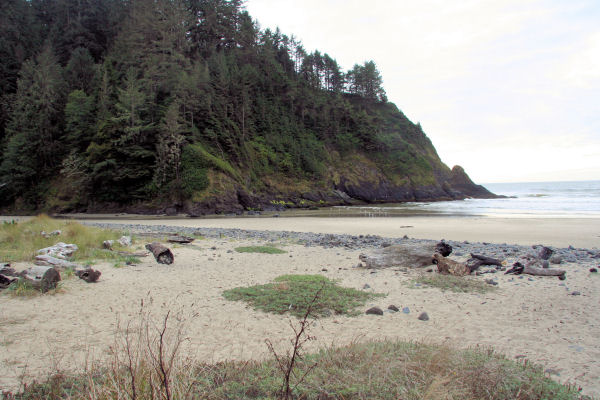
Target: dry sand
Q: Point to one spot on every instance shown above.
(538, 320)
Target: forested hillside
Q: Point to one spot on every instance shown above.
(185, 105)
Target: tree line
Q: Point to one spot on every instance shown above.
(124, 100)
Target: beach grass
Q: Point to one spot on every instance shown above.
(372, 370)
(456, 284)
(260, 249)
(21, 241)
(294, 294)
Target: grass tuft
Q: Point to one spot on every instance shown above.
(260, 249)
(294, 293)
(457, 284)
(21, 241)
(386, 370)
(22, 288)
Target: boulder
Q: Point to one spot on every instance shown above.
(125, 241)
(400, 255)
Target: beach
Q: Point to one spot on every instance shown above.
(533, 318)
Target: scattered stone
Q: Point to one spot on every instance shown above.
(374, 311)
(491, 282)
(545, 264)
(429, 270)
(562, 277)
(423, 316)
(366, 286)
(593, 270)
(575, 293)
(406, 310)
(213, 248)
(393, 308)
(324, 269)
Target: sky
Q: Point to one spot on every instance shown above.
(510, 90)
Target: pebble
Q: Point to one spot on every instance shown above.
(575, 293)
(593, 270)
(374, 311)
(406, 310)
(393, 308)
(423, 316)
(366, 286)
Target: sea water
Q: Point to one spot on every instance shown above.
(577, 199)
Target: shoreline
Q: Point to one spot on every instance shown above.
(521, 319)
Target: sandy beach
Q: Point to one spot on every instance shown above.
(534, 318)
(559, 232)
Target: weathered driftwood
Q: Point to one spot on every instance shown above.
(136, 254)
(47, 260)
(88, 274)
(400, 255)
(486, 260)
(59, 250)
(162, 254)
(41, 278)
(125, 241)
(180, 239)
(518, 269)
(6, 280)
(448, 266)
(443, 248)
(8, 271)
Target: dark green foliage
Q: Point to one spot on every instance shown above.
(294, 293)
(143, 99)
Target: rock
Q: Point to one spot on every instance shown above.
(406, 310)
(593, 270)
(443, 248)
(393, 308)
(423, 316)
(400, 255)
(556, 259)
(374, 311)
(575, 293)
(366, 286)
(108, 244)
(545, 264)
(491, 282)
(125, 241)
(562, 277)
(545, 253)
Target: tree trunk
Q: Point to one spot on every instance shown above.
(46, 260)
(41, 277)
(162, 254)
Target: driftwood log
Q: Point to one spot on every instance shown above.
(5, 281)
(41, 277)
(180, 239)
(89, 275)
(518, 269)
(447, 266)
(443, 248)
(49, 261)
(162, 254)
(486, 260)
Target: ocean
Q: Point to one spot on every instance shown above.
(576, 199)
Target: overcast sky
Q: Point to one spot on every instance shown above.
(508, 89)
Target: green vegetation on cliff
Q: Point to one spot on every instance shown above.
(187, 102)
